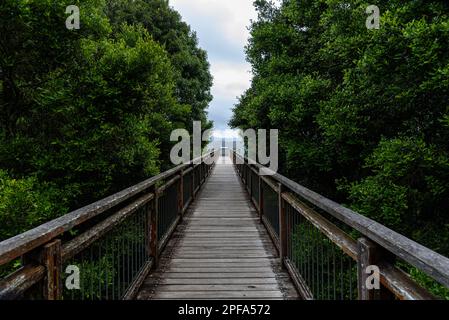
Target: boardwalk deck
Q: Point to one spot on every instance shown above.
(220, 250)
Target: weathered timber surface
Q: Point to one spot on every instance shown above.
(220, 250)
(431, 262)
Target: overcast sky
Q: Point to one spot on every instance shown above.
(221, 27)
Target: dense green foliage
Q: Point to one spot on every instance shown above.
(363, 114)
(192, 77)
(85, 113)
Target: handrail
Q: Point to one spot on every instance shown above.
(38, 242)
(16, 246)
(430, 262)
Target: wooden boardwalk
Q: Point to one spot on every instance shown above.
(220, 250)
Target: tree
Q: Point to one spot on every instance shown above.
(192, 76)
(87, 112)
(363, 113)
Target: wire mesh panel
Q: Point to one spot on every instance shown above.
(187, 188)
(326, 270)
(108, 267)
(255, 186)
(103, 250)
(196, 174)
(168, 209)
(271, 207)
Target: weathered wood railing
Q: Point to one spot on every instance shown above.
(113, 243)
(315, 238)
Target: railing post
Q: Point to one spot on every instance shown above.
(282, 226)
(51, 259)
(154, 246)
(260, 198)
(369, 254)
(181, 195)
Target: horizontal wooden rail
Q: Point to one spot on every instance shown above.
(126, 224)
(335, 234)
(15, 285)
(390, 244)
(81, 242)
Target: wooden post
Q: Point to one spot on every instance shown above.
(369, 254)
(154, 245)
(282, 226)
(260, 198)
(51, 259)
(181, 195)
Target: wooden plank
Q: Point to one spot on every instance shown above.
(227, 243)
(218, 295)
(212, 251)
(15, 285)
(225, 255)
(218, 247)
(177, 275)
(220, 269)
(222, 235)
(194, 264)
(237, 220)
(225, 260)
(218, 287)
(203, 229)
(220, 250)
(224, 242)
(215, 281)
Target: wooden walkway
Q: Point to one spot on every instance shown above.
(221, 250)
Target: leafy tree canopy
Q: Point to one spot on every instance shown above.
(85, 113)
(363, 114)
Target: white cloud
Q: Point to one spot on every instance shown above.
(221, 26)
(230, 79)
(227, 134)
(230, 16)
